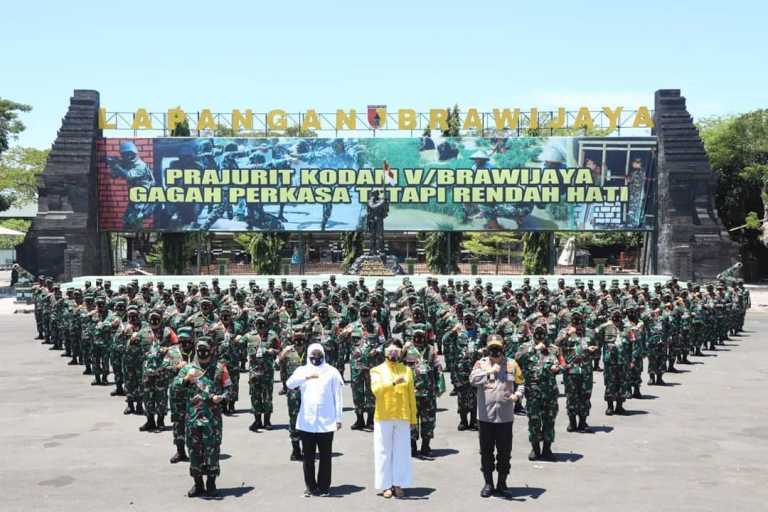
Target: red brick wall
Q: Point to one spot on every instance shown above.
(113, 192)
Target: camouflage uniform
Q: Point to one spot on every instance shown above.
(261, 349)
(541, 391)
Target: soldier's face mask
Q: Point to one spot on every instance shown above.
(539, 335)
(365, 318)
(155, 321)
(203, 354)
(418, 339)
(186, 342)
(260, 325)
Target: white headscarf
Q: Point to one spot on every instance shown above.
(315, 347)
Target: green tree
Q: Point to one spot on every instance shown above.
(9, 242)
(10, 124)
(441, 251)
(352, 246)
(181, 129)
(737, 147)
(19, 169)
(536, 252)
(265, 249)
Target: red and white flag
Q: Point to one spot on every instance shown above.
(389, 174)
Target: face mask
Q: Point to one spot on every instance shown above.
(203, 354)
(495, 353)
(317, 361)
(393, 356)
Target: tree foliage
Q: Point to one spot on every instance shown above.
(536, 252)
(265, 249)
(9, 242)
(737, 147)
(10, 124)
(352, 246)
(491, 243)
(19, 169)
(441, 251)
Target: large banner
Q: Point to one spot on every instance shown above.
(418, 184)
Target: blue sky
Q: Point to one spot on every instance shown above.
(405, 54)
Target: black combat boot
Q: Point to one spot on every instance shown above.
(463, 425)
(636, 393)
(487, 489)
(180, 454)
(87, 370)
(130, 409)
(583, 427)
(546, 452)
(671, 368)
(283, 391)
(519, 409)
(501, 486)
(256, 425)
(139, 407)
(414, 448)
(473, 420)
(210, 487)
(620, 407)
(596, 366)
(149, 425)
(571, 423)
(369, 423)
(426, 451)
(225, 408)
(609, 410)
(685, 359)
(118, 390)
(160, 425)
(652, 381)
(73, 362)
(296, 451)
(359, 423)
(660, 381)
(712, 345)
(535, 451)
(267, 422)
(198, 489)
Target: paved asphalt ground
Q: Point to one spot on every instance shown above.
(700, 443)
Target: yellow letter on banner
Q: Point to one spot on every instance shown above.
(244, 120)
(103, 124)
(276, 120)
(344, 119)
(311, 121)
(141, 120)
(175, 116)
(205, 120)
(534, 121)
(583, 119)
(613, 116)
(559, 121)
(505, 118)
(472, 120)
(643, 118)
(438, 118)
(406, 119)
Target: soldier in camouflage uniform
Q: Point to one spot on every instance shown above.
(577, 351)
(134, 345)
(102, 340)
(615, 353)
(154, 374)
(137, 173)
(291, 357)
(262, 346)
(86, 337)
(117, 346)
(230, 352)
(540, 364)
(421, 357)
(367, 349)
(207, 382)
(637, 350)
(467, 340)
(179, 394)
(657, 360)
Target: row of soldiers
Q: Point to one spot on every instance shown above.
(151, 339)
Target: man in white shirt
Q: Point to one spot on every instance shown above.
(319, 416)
